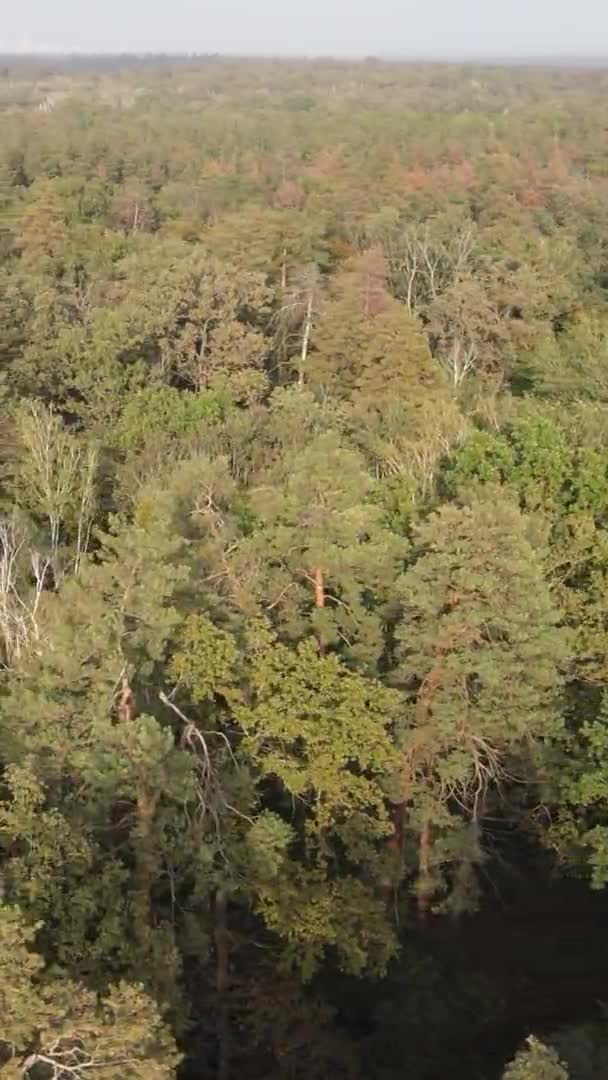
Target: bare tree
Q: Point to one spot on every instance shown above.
(422, 264)
(297, 315)
(57, 476)
(459, 360)
(23, 573)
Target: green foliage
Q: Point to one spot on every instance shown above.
(581, 830)
(303, 559)
(54, 1024)
(480, 651)
(164, 410)
(551, 459)
(325, 736)
(21, 1009)
(574, 367)
(366, 344)
(326, 560)
(536, 1062)
(320, 734)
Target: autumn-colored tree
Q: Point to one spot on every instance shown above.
(41, 231)
(365, 344)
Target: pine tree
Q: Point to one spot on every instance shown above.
(85, 747)
(480, 649)
(59, 1028)
(41, 232)
(326, 561)
(366, 345)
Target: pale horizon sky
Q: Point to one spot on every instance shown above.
(505, 28)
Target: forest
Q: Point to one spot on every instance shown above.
(303, 570)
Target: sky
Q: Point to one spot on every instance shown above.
(494, 28)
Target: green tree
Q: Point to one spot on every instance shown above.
(205, 320)
(536, 1062)
(325, 561)
(62, 1029)
(479, 655)
(322, 736)
(101, 642)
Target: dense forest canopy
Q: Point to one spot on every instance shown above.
(303, 570)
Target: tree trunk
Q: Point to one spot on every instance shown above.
(305, 342)
(319, 584)
(410, 290)
(394, 845)
(126, 704)
(319, 587)
(429, 687)
(425, 894)
(284, 270)
(145, 869)
(221, 985)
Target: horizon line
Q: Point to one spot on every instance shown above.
(405, 57)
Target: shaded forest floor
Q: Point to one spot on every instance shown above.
(532, 961)
(546, 953)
